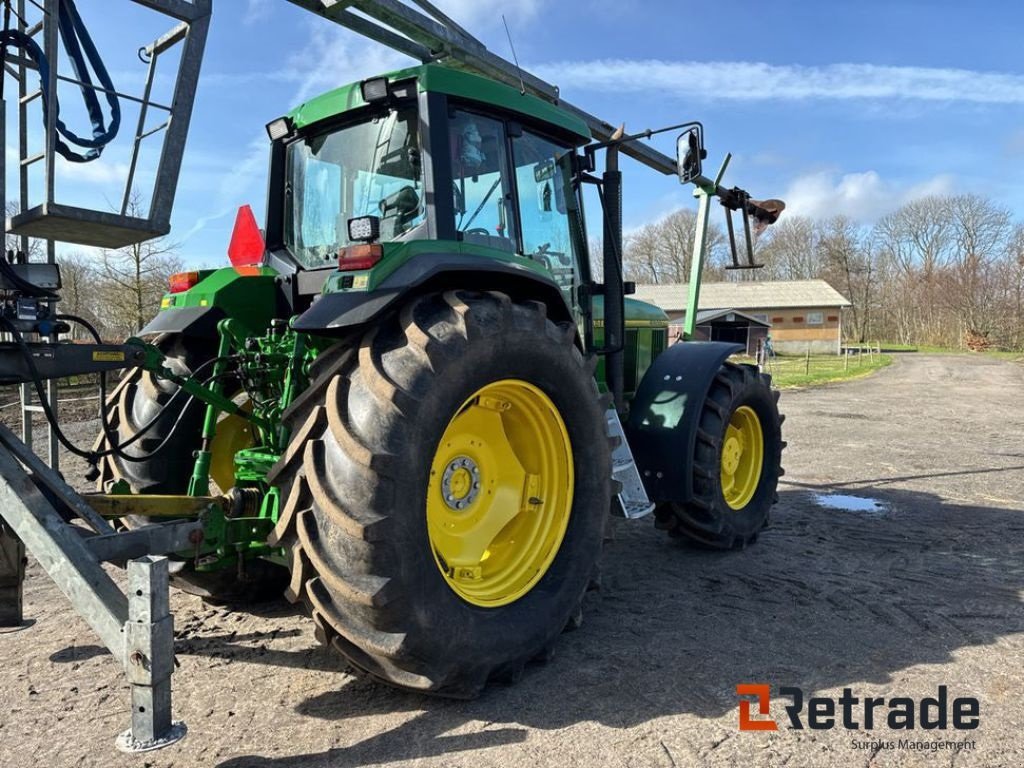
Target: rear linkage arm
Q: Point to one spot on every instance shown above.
(150, 358)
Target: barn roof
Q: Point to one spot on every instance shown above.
(705, 316)
(770, 294)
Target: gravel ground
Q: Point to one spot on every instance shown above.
(922, 592)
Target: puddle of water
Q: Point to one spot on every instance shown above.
(848, 503)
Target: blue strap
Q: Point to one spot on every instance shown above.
(75, 37)
(73, 32)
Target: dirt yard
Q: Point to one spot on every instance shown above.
(896, 601)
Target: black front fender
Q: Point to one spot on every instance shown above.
(663, 417)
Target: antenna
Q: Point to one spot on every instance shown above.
(522, 85)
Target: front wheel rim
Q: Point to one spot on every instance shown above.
(500, 493)
(742, 457)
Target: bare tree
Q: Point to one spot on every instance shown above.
(916, 243)
(661, 252)
(1010, 275)
(789, 250)
(847, 262)
(980, 230)
(642, 262)
(79, 283)
(133, 280)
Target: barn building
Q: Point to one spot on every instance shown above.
(803, 315)
(729, 325)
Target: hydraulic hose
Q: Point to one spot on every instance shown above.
(76, 38)
(115, 448)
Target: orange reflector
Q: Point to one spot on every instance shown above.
(183, 281)
(359, 256)
(247, 246)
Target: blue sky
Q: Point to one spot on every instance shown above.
(838, 107)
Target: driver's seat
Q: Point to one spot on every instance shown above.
(398, 211)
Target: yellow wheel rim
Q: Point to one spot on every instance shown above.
(233, 435)
(500, 492)
(742, 457)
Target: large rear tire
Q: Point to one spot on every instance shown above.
(447, 485)
(736, 465)
(166, 467)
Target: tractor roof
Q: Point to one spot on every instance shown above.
(444, 79)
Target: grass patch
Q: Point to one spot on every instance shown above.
(931, 349)
(788, 372)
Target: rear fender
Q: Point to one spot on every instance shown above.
(336, 313)
(663, 416)
(249, 295)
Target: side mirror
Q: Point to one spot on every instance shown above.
(689, 154)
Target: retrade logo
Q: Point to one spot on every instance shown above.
(763, 693)
(855, 713)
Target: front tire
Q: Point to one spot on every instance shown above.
(736, 465)
(402, 447)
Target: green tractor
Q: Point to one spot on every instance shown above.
(410, 386)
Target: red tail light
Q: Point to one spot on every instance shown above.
(183, 281)
(359, 257)
(247, 245)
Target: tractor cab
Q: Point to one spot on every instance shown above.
(362, 176)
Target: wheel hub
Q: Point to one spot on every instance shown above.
(460, 483)
(742, 458)
(731, 453)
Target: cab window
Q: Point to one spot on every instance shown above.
(481, 181)
(367, 168)
(543, 181)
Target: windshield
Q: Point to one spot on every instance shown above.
(367, 169)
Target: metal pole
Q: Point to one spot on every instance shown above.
(139, 130)
(50, 36)
(25, 390)
(614, 300)
(52, 443)
(149, 658)
(63, 553)
(50, 32)
(166, 183)
(12, 577)
(705, 190)
(697, 262)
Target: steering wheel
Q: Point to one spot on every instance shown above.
(478, 231)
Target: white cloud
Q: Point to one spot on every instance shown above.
(101, 171)
(333, 57)
(755, 81)
(864, 197)
(256, 11)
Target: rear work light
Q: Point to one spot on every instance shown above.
(374, 90)
(183, 281)
(280, 128)
(356, 257)
(365, 228)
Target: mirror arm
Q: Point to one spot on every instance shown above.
(590, 149)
